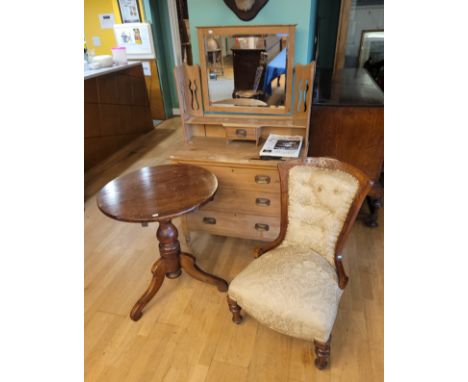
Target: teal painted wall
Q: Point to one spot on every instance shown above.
(300, 12)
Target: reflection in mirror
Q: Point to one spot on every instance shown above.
(246, 70)
(371, 49)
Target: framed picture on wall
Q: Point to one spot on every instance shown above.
(129, 11)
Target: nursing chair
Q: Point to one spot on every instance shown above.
(296, 285)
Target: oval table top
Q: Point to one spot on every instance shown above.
(157, 193)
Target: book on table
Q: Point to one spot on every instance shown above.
(280, 146)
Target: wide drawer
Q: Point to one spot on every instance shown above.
(234, 224)
(242, 178)
(245, 201)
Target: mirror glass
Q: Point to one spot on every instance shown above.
(247, 70)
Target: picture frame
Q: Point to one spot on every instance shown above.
(136, 38)
(129, 11)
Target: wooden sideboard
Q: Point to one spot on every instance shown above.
(347, 123)
(116, 111)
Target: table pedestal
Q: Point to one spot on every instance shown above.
(170, 265)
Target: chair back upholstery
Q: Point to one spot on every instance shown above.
(320, 201)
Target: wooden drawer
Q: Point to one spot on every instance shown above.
(241, 178)
(264, 228)
(245, 201)
(243, 133)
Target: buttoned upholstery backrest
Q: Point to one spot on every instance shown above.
(318, 205)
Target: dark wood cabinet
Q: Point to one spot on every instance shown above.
(116, 111)
(347, 123)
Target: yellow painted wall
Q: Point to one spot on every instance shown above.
(92, 27)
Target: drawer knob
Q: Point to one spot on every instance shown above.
(262, 179)
(241, 133)
(262, 202)
(262, 227)
(208, 220)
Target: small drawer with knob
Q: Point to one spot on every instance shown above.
(242, 133)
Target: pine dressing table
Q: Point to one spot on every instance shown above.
(247, 204)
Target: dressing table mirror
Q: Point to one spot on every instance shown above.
(247, 69)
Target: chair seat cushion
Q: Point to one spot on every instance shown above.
(291, 291)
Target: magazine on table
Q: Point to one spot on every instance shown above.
(282, 146)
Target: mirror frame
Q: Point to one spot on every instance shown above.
(290, 29)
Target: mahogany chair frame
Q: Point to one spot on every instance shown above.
(322, 349)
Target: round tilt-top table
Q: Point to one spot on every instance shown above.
(159, 194)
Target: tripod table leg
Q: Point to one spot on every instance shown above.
(189, 266)
(156, 282)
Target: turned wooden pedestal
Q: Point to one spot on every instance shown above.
(158, 194)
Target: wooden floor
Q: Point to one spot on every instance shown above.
(186, 333)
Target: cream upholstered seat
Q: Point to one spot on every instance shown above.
(291, 291)
(296, 287)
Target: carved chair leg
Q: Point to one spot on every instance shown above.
(374, 205)
(235, 310)
(322, 351)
